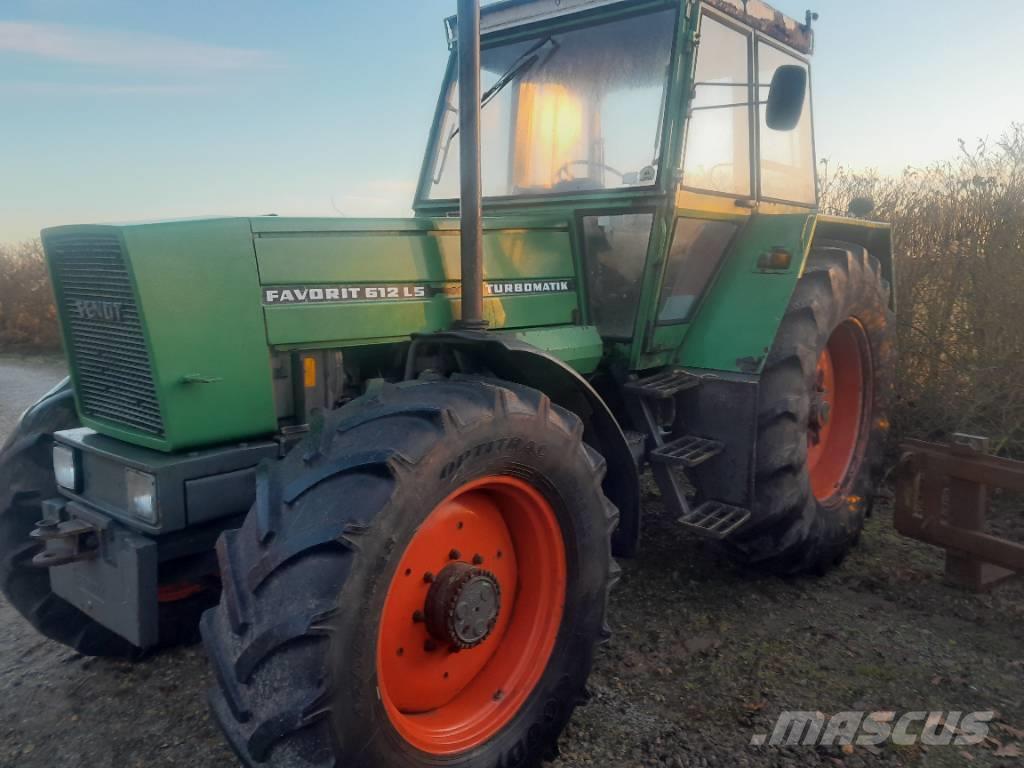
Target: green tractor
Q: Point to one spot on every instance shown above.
(384, 465)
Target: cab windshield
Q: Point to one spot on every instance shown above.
(570, 111)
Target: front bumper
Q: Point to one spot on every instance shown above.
(109, 563)
(107, 571)
(192, 488)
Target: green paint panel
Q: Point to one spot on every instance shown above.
(359, 323)
(198, 292)
(579, 346)
(428, 250)
(411, 251)
(738, 320)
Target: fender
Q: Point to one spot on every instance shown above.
(516, 361)
(875, 236)
(60, 390)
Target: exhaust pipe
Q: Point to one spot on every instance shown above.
(469, 159)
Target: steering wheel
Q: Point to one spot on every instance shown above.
(563, 173)
(715, 183)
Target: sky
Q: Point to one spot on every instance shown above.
(126, 110)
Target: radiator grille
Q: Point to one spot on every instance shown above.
(107, 346)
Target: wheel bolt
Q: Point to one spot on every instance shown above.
(454, 554)
(418, 617)
(428, 577)
(478, 560)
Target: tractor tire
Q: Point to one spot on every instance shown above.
(26, 480)
(342, 636)
(823, 416)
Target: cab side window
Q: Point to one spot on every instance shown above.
(787, 157)
(718, 137)
(697, 250)
(615, 248)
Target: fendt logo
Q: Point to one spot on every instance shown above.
(88, 309)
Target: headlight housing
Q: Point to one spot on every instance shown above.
(140, 488)
(66, 468)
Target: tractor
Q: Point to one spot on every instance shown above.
(383, 466)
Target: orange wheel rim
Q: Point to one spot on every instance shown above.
(838, 405)
(173, 593)
(494, 546)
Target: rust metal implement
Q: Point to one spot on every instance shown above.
(942, 498)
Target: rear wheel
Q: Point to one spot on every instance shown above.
(823, 416)
(422, 583)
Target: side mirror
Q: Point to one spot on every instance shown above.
(786, 97)
(861, 207)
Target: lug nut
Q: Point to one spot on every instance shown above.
(418, 617)
(478, 560)
(428, 577)
(454, 554)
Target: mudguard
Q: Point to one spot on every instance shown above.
(516, 361)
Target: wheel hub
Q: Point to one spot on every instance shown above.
(463, 606)
(466, 633)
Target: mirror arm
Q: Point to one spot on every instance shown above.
(732, 85)
(729, 106)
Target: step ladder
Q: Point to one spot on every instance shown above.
(714, 519)
(669, 454)
(663, 385)
(688, 451)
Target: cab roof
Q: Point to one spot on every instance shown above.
(506, 14)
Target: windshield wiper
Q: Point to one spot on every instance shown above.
(524, 64)
(520, 67)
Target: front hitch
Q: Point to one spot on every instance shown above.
(70, 541)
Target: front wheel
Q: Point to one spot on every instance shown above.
(422, 583)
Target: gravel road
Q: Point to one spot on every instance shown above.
(704, 656)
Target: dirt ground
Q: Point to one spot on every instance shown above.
(704, 656)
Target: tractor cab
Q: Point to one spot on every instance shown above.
(657, 129)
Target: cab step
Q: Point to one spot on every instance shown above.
(714, 519)
(689, 451)
(664, 385)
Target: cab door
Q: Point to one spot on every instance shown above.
(717, 194)
(746, 188)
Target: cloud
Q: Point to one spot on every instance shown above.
(124, 49)
(102, 89)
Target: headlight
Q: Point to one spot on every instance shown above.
(65, 468)
(141, 491)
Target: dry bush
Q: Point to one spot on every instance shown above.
(28, 319)
(959, 244)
